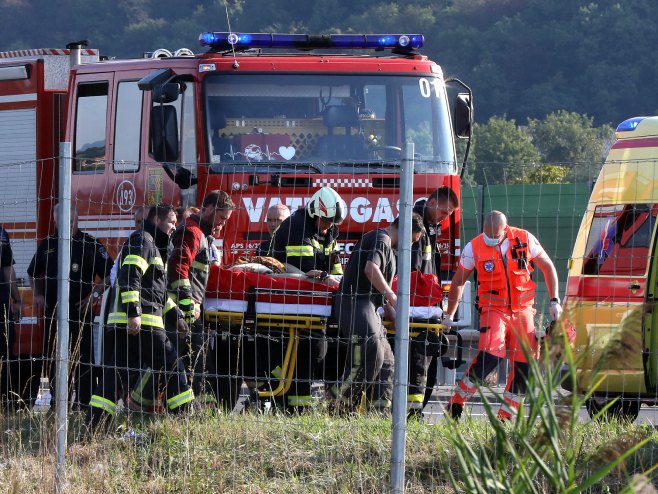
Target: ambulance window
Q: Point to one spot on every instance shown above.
(127, 127)
(90, 126)
(619, 242)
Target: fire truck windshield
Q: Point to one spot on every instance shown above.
(328, 121)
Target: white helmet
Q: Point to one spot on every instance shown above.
(327, 204)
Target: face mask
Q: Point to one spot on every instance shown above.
(491, 242)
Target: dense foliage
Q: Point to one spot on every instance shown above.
(523, 58)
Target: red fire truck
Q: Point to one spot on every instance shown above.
(267, 117)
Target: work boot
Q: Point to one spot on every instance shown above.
(454, 411)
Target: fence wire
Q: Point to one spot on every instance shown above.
(245, 374)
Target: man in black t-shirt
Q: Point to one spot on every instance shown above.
(89, 276)
(366, 286)
(426, 258)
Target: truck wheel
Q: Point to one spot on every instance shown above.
(626, 410)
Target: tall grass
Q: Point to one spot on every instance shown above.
(547, 450)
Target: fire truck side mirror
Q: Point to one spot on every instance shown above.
(164, 134)
(463, 116)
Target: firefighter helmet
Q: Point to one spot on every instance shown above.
(327, 204)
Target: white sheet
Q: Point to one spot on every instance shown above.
(420, 312)
(218, 304)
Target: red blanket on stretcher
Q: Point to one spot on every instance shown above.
(425, 290)
(227, 284)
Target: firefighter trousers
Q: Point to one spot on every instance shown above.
(370, 362)
(418, 369)
(150, 348)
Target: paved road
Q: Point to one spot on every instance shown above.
(434, 410)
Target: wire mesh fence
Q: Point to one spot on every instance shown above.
(196, 365)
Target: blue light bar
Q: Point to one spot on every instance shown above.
(242, 41)
(630, 124)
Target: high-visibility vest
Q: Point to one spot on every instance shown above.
(505, 284)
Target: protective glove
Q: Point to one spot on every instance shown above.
(555, 309)
(447, 321)
(191, 311)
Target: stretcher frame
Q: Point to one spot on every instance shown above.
(250, 322)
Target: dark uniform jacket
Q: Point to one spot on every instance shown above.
(88, 260)
(425, 256)
(189, 265)
(6, 260)
(298, 242)
(141, 286)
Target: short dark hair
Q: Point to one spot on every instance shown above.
(417, 225)
(219, 200)
(161, 211)
(445, 193)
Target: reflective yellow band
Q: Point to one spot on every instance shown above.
(427, 249)
(132, 296)
(418, 398)
(117, 318)
(102, 403)
(276, 372)
(316, 244)
(180, 399)
(152, 320)
(300, 401)
(299, 251)
(337, 268)
(183, 282)
(200, 266)
(136, 260)
(170, 304)
(157, 261)
(136, 394)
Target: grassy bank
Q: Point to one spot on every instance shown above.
(277, 454)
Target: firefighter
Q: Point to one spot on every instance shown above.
(365, 287)
(139, 306)
(89, 276)
(426, 258)
(306, 241)
(10, 311)
(503, 258)
(275, 216)
(187, 273)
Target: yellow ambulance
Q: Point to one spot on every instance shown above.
(613, 277)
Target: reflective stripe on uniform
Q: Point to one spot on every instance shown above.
(340, 390)
(276, 372)
(169, 304)
(180, 399)
(152, 320)
(136, 394)
(117, 318)
(415, 399)
(200, 266)
(299, 251)
(157, 261)
(135, 260)
(102, 403)
(183, 282)
(301, 401)
(131, 296)
(463, 392)
(337, 268)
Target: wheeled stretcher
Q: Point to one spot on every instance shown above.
(260, 320)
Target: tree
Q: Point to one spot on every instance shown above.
(568, 137)
(501, 151)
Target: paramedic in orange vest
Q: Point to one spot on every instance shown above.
(501, 257)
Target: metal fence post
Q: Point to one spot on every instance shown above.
(401, 380)
(63, 269)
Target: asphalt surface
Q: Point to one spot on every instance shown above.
(433, 412)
